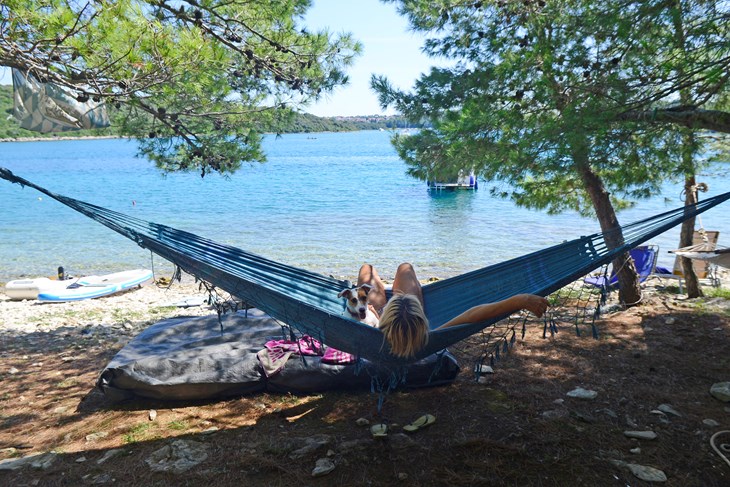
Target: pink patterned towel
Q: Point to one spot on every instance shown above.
(337, 357)
(306, 345)
(276, 352)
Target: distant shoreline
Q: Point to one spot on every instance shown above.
(63, 137)
(94, 137)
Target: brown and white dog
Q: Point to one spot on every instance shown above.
(357, 308)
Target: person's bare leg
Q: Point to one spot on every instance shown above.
(368, 275)
(406, 282)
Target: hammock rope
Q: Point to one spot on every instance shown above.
(308, 301)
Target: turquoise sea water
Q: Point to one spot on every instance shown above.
(326, 202)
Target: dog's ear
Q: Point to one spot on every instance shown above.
(345, 293)
(366, 287)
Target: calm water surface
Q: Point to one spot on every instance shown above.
(325, 202)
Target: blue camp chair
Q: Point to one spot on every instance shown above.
(645, 258)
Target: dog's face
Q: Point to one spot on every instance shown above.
(357, 300)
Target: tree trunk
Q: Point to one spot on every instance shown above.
(686, 237)
(628, 279)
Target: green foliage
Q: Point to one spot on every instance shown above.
(179, 425)
(136, 433)
(717, 292)
(194, 81)
(10, 128)
(547, 97)
(299, 122)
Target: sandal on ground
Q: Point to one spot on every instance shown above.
(422, 422)
(379, 430)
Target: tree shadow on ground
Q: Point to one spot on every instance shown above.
(515, 427)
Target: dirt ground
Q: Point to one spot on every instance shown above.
(515, 427)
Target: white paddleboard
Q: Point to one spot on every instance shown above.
(88, 287)
(96, 286)
(28, 288)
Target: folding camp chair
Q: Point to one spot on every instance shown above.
(644, 258)
(702, 240)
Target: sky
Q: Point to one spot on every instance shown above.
(389, 49)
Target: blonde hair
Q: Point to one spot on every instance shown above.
(404, 325)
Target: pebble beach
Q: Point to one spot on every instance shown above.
(126, 313)
(129, 312)
(587, 395)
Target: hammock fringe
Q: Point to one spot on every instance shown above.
(308, 301)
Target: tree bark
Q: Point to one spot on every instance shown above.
(686, 237)
(628, 278)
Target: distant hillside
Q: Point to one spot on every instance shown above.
(9, 128)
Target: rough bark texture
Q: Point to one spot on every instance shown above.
(628, 279)
(688, 150)
(686, 236)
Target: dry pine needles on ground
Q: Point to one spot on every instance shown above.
(517, 426)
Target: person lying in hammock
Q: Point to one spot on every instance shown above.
(403, 320)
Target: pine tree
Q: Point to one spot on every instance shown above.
(196, 79)
(551, 99)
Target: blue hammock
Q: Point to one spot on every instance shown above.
(308, 301)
